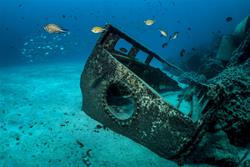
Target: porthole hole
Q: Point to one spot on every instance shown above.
(120, 101)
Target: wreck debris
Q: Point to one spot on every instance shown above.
(88, 152)
(244, 158)
(229, 90)
(86, 161)
(241, 54)
(231, 42)
(80, 143)
(86, 158)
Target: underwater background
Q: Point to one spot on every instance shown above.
(41, 122)
(24, 20)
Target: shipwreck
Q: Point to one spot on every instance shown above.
(134, 97)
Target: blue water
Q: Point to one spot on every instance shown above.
(22, 19)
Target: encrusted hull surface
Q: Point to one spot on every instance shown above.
(154, 123)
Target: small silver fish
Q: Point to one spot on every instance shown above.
(149, 22)
(175, 35)
(163, 33)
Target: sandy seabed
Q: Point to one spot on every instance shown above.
(41, 123)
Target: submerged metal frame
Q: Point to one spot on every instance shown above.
(154, 123)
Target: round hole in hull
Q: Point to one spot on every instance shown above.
(120, 101)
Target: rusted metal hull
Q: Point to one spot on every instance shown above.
(154, 123)
(108, 85)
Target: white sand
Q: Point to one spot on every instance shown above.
(41, 121)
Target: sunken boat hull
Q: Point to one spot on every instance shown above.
(121, 97)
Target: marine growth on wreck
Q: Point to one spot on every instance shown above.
(179, 115)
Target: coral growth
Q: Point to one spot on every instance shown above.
(234, 116)
(228, 130)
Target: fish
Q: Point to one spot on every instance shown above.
(164, 45)
(124, 50)
(53, 28)
(97, 29)
(163, 33)
(63, 16)
(149, 22)
(229, 19)
(189, 29)
(174, 36)
(182, 52)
